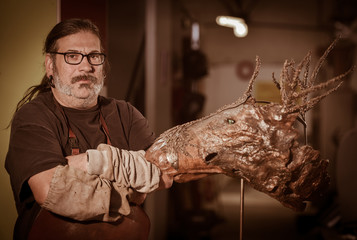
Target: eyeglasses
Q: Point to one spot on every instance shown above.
(75, 58)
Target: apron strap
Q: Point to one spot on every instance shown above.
(73, 141)
(104, 127)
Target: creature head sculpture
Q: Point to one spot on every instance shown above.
(254, 141)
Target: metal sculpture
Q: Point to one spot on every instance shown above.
(254, 141)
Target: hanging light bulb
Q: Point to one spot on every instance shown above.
(240, 28)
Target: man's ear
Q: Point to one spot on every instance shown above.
(49, 65)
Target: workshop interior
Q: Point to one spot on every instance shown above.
(181, 60)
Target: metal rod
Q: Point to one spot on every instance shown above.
(241, 209)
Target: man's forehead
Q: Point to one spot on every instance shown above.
(79, 41)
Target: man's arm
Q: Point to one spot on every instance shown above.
(55, 189)
(40, 185)
(128, 168)
(78, 195)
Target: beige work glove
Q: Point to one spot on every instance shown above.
(78, 195)
(126, 168)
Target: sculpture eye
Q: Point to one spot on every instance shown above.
(230, 121)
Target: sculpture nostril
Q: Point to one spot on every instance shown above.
(210, 156)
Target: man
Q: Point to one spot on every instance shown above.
(51, 160)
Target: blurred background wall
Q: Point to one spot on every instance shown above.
(154, 66)
(23, 28)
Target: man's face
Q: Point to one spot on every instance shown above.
(83, 81)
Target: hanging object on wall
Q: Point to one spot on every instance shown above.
(195, 36)
(244, 70)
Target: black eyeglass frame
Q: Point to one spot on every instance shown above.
(83, 55)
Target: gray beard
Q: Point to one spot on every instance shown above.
(67, 90)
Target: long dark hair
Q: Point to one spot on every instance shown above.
(62, 29)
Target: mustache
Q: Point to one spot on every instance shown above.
(84, 77)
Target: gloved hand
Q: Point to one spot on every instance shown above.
(125, 168)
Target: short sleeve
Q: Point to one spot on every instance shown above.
(34, 147)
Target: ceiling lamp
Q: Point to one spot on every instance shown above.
(240, 28)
